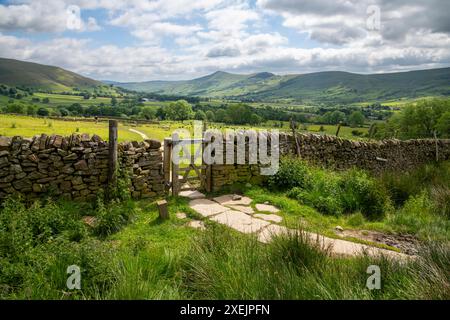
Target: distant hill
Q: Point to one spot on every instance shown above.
(327, 87)
(42, 77)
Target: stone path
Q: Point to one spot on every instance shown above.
(143, 135)
(235, 212)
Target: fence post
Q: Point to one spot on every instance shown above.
(338, 129)
(436, 145)
(166, 163)
(112, 160)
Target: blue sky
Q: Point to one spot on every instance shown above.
(138, 40)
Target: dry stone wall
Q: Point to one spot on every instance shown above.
(75, 167)
(334, 152)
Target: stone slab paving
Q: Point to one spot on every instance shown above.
(269, 217)
(227, 200)
(196, 224)
(207, 207)
(240, 221)
(266, 208)
(191, 194)
(241, 208)
(181, 215)
(266, 235)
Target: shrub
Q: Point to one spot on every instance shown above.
(359, 192)
(291, 173)
(111, 217)
(417, 216)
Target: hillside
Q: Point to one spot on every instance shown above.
(330, 86)
(42, 77)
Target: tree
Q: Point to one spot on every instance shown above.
(15, 108)
(210, 116)
(148, 113)
(356, 119)
(179, 110)
(64, 112)
(113, 101)
(239, 114)
(46, 100)
(221, 115)
(443, 125)
(200, 115)
(31, 110)
(419, 120)
(43, 112)
(334, 117)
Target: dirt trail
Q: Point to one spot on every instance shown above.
(143, 135)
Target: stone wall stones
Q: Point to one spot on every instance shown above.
(333, 152)
(75, 167)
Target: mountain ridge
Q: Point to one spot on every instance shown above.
(43, 77)
(324, 86)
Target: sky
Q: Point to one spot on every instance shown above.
(140, 40)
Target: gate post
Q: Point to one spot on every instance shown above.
(175, 184)
(166, 163)
(112, 158)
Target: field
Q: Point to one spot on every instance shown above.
(14, 125)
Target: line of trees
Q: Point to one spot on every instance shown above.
(422, 119)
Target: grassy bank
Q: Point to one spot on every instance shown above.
(129, 253)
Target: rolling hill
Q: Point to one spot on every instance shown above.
(42, 77)
(326, 87)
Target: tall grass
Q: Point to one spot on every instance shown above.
(221, 266)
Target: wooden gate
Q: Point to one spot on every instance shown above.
(186, 176)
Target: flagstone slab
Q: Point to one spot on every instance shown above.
(206, 207)
(266, 208)
(227, 199)
(240, 221)
(269, 217)
(191, 194)
(181, 215)
(266, 235)
(241, 208)
(196, 224)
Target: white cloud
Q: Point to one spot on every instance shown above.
(41, 16)
(205, 36)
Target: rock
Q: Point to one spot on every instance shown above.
(15, 168)
(37, 187)
(191, 194)
(4, 162)
(65, 186)
(228, 200)
(266, 208)
(22, 184)
(206, 207)
(7, 179)
(77, 180)
(241, 208)
(236, 197)
(154, 144)
(269, 217)
(81, 165)
(72, 156)
(196, 224)
(181, 215)
(5, 142)
(240, 221)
